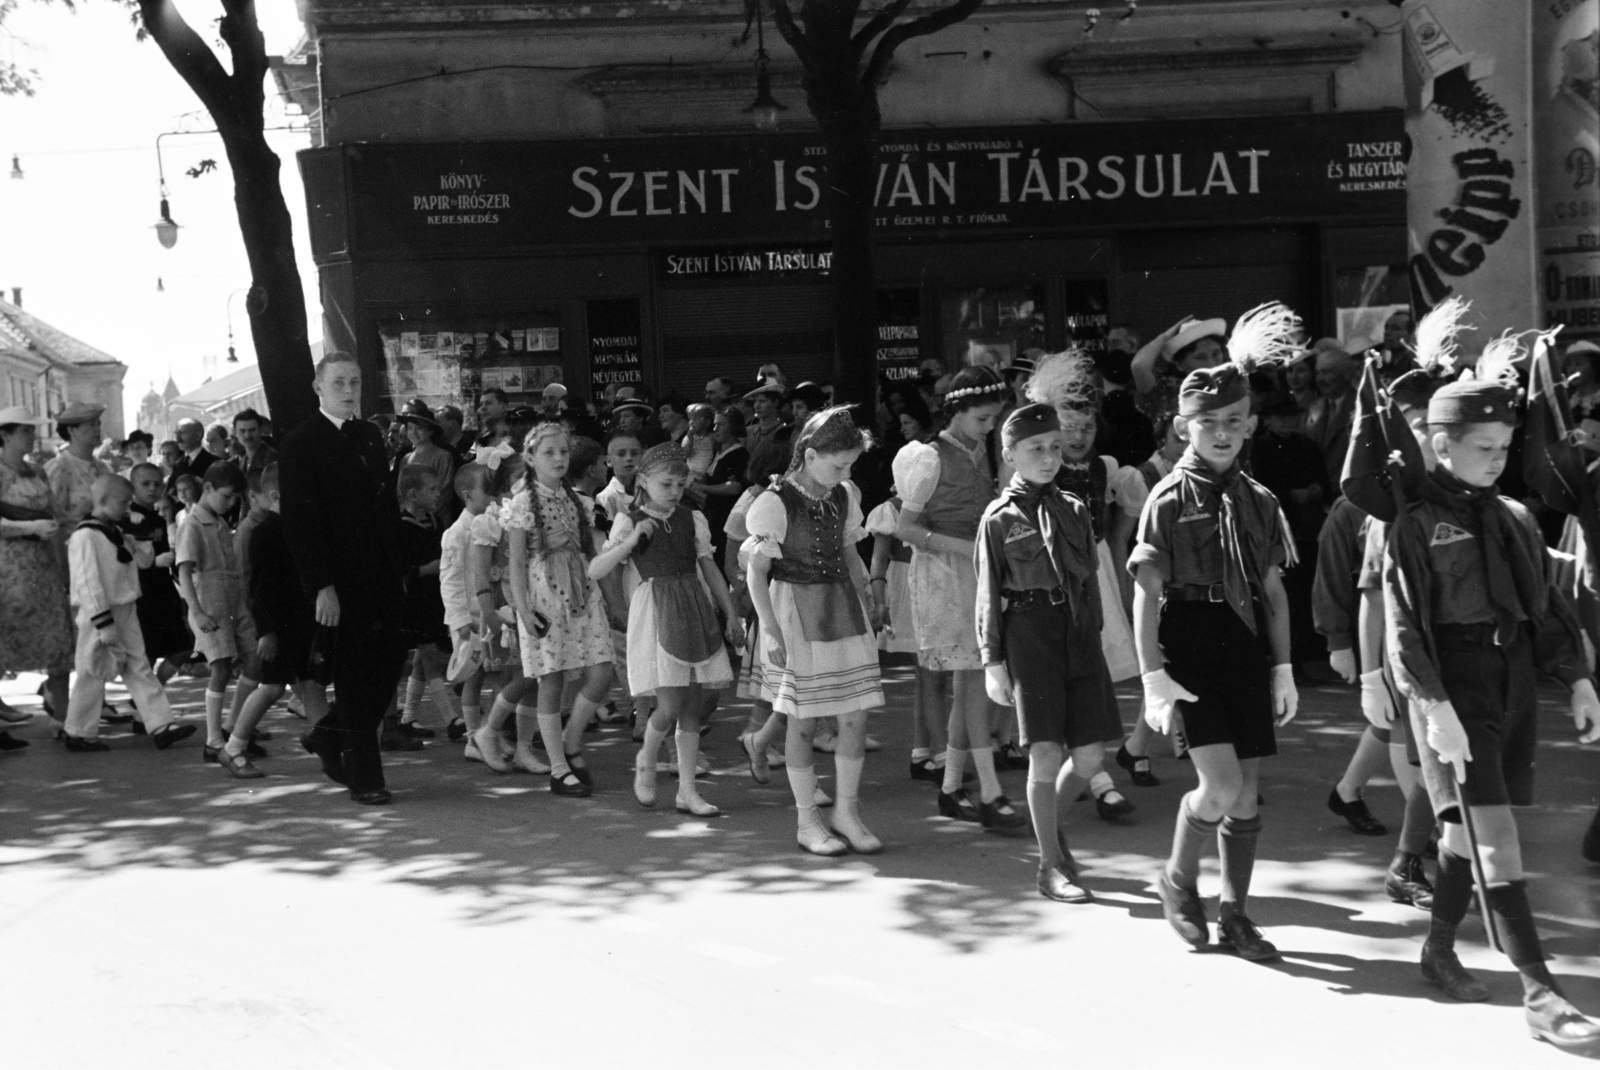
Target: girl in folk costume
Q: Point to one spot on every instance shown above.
(1068, 382)
(489, 579)
(891, 594)
(675, 646)
(562, 616)
(945, 485)
(818, 657)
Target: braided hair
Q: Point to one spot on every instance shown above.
(530, 446)
(829, 431)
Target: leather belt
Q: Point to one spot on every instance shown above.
(1196, 592)
(1037, 596)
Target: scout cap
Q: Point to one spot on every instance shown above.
(1208, 389)
(1473, 401)
(1028, 421)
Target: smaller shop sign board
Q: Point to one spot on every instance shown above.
(615, 357)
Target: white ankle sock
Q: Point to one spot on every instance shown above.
(955, 764)
(988, 779)
(1101, 783)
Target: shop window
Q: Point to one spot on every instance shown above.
(992, 325)
(1364, 299)
(450, 360)
(899, 334)
(1087, 312)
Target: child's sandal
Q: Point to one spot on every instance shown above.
(580, 768)
(569, 784)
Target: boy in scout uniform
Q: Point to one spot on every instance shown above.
(1038, 620)
(1465, 638)
(1211, 621)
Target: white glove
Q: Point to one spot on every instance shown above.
(1585, 708)
(1376, 702)
(1285, 698)
(1343, 662)
(1161, 692)
(1448, 739)
(997, 682)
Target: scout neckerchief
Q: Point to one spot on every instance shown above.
(113, 534)
(1051, 509)
(1515, 580)
(1243, 522)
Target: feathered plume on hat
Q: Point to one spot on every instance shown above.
(1437, 332)
(1266, 335)
(1065, 380)
(1499, 360)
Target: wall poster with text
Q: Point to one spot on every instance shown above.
(451, 360)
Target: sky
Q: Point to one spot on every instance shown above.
(76, 231)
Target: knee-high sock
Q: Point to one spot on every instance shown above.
(1189, 839)
(214, 736)
(955, 764)
(1408, 776)
(650, 751)
(1417, 827)
(688, 744)
(528, 724)
(583, 708)
(803, 784)
(848, 771)
(500, 711)
(555, 753)
(471, 712)
(1517, 932)
(1369, 758)
(1236, 844)
(443, 699)
(1046, 820)
(408, 710)
(1452, 888)
(988, 779)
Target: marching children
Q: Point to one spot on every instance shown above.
(1039, 621)
(208, 576)
(422, 622)
(562, 616)
(1068, 382)
(818, 657)
(1487, 598)
(675, 645)
(105, 589)
(166, 636)
(1211, 621)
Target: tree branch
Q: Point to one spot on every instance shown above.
(783, 18)
(877, 24)
(921, 26)
(190, 56)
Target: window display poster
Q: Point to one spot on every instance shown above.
(899, 334)
(451, 360)
(615, 356)
(1088, 314)
(992, 325)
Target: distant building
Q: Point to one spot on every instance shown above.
(43, 369)
(218, 399)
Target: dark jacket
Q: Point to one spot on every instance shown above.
(338, 514)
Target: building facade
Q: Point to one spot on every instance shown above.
(506, 194)
(44, 370)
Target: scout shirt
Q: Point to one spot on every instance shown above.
(1342, 559)
(1447, 530)
(1181, 532)
(1010, 555)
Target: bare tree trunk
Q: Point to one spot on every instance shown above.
(237, 103)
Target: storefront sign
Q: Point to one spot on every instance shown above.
(491, 197)
(689, 264)
(1566, 62)
(614, 354)
(1470, 194)
(899, 333)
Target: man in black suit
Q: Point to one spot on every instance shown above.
(196, 460)
(342, 526)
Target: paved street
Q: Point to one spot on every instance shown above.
(156, 913)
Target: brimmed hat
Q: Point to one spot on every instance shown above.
(554, 390)
(811, 394)
(524, 414)
(79, 412)
(16, 414)
(1583, 346)
(416, 411)
(1212, 328)
(643, 408)
(771, 387)
(1020, 366)
(1028, 421)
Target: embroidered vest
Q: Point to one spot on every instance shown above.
(670, 549)
(964, 490)
(813, 549)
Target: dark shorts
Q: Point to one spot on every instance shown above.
(1062, 688)
(289, 667)
(1494, 691)
(1209, 650)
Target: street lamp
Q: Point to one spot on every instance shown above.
(166, 230)
(764, 108)
(233, 358)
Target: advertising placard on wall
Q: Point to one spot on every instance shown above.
(1566, 117)
(1469, 204)
(615, 358)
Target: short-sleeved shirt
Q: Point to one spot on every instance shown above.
(1181, 539)
(205, 542)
